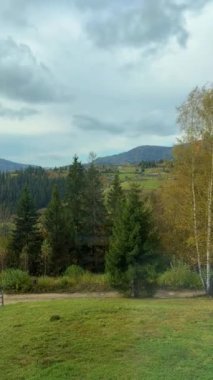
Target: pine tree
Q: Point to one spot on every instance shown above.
(95, 220)
(56, 233)
(26, 239)
(75, 198)
(131, 246)
(115, 197)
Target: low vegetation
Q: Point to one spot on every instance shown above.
(180, 277)
(75, 279)
(17, 281)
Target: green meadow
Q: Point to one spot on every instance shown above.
(107, 339)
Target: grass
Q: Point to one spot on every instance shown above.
(151, 179)
(146, 183)
(107, 339)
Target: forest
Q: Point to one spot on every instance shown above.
(106, 220)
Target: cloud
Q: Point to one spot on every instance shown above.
(142, 24)
(13, 12)
(158, 122)
(20, 114)
(91, 124)
(154, 122)
(23, 78)
(139, 24)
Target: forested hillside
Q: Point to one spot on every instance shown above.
(9, 166)
(148, 175)
(39, 181)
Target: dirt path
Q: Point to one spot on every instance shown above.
(15, 298)
(161, 293)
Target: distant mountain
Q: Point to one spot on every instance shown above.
(136, 155)
(9, 166)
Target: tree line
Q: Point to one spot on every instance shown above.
(86, 227)
(121, 232)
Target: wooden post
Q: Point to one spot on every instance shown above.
(1, 297)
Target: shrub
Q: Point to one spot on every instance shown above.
(46, 284)
(93, 282)
(86, 282)
(180, 277)
(74, 271)
(15, 280)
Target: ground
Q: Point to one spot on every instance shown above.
(15, 298)
(107, 338)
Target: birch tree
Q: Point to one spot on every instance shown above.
(189, 199)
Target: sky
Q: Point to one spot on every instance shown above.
(97, 75)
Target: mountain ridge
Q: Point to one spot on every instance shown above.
(9, 166)
(136, 155)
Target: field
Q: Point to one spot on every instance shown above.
(107, 339)
(148, 179)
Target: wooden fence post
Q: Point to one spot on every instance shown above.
(1, 297)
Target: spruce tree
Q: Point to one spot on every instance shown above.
(115, 194)
(26, 240)
(75, 199)
(95, 220)
(56, 234)
(131, 246)
(114, 199)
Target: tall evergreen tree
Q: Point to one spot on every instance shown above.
(131, 245)
(56, 234)
(115, 198)
(95, 220)
(75, 198)
(26, 240)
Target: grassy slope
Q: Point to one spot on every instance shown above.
(151, 179)
(107, 339)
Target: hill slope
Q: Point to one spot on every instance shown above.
(9, 166)
(136, 155)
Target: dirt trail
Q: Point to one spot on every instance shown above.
(15, 298)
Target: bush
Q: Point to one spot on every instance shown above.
(46, 284)
(74, 271)
(15, 280)
(92, 282)
(180, 277)
(85, 282)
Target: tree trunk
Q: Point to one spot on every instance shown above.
(209, 289)
(195, 228)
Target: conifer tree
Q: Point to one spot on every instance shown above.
(115, 197)
(75, 198)
(26, 239)
(95, 219)
(131, 245)
(56, 233)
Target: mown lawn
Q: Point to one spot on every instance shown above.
(107, 339)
